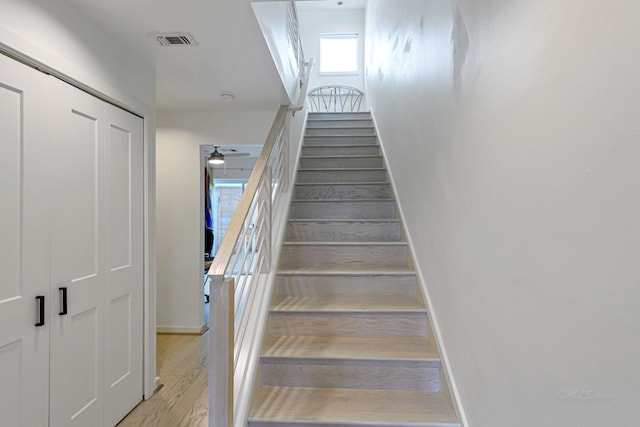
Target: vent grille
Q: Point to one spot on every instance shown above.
(175, 39)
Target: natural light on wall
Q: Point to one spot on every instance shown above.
(339, 53)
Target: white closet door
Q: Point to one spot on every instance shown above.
(97, 254)
(124, 263)
(77, 259)
(24, 347)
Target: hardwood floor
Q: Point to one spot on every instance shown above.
(182, 399)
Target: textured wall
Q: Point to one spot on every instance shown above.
(513, 137)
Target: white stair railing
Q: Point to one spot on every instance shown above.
(239, 279)
(243, 271)
(335, 99)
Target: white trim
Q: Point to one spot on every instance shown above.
(423, 284)
(195, 330)
(149, 296)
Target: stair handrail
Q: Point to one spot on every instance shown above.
(307, 67)
(243, 258)
(242, 272)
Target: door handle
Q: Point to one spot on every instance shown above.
(63, 300)
(40, 310)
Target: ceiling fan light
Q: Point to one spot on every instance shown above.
(216, 158)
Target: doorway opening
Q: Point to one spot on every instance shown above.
(223, 187)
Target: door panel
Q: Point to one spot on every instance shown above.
(11, 140)
(124, 275)
(24, 348)
(84, 381)
(120, 193)
(77, 338)
(10, 371)
(78, 193)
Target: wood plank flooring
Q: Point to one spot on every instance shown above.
(182, 399)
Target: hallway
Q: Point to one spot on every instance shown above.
(182, 396)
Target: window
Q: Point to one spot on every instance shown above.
(339, 53)
(226, 196)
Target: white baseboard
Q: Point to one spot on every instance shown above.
(195, 330)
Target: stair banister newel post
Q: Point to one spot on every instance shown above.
(221, 354)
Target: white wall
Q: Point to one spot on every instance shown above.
(315, 22)
(272, 18)
(180, 223)
(513, 137)
(61, 39)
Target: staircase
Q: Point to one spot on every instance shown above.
(348, 342)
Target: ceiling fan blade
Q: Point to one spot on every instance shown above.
(237, 154)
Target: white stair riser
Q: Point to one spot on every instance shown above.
(336, 150)
(347, 140)
(349, 324)
(335, 175)
(343, 191)
(314, 124)
(317, 256)
(338, 116)
(345, 286)
(355, 131)
(358, 374)
(343, 210)
(341, 162)
(344, 231)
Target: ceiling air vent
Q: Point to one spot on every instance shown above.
(175, 39)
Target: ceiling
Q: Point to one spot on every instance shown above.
(230, 56)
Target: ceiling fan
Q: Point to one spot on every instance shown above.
(217, 158)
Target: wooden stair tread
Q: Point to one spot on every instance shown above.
(327, 347)
(341, 169)
(339, 243)
(339, 136)
(349, 156)
(311, 184)
(348, 127)
(346, 220)
(349, 270)
(343, 200)
(313, 118)
(351, 407)
(346, 305)
(344, 145)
